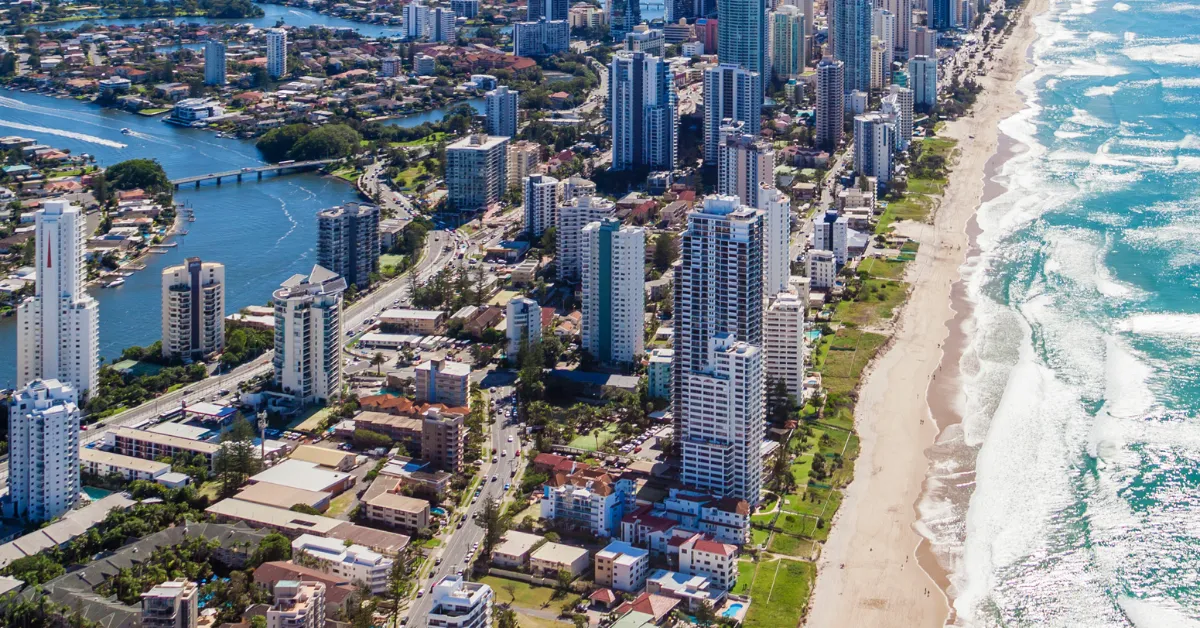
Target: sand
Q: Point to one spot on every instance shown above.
(871, 572)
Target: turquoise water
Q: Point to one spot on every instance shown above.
(96, 494)
(1079, 445)
(733, 610)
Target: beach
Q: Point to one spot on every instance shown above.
(873, 570)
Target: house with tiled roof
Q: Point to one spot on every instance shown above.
(657, 606)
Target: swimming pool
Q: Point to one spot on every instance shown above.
(96, 494)
(733, 610)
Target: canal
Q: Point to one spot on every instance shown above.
(263, 232)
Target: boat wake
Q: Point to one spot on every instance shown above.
(83, 137)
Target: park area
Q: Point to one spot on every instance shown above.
(778, 590)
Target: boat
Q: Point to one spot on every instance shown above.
(126, 131)
(114, 283)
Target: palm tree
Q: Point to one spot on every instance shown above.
(377, 361)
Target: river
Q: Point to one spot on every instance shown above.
(263, 232)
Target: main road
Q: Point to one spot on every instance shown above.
(435, 257)
(458, 550)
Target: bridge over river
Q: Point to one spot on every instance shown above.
(279, 168)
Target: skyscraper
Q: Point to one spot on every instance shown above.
(541, 204)
(276, 52)
(874, 146)
(789, 43)
(193, 309)
(941, 14)
(783, 342)
(852, 42)
(476, 171)
(43, 450)
(58, 328)
(718, 329)
(902, 10)
(551, 10)
(623, 16)
(502, 106)
(744, 164)
(742, 35)
(643, 113)
(922, 42)
(573, 216)
(883, 26)
(879, 72)
(308, 335)
(441, 25)
(348, 242)
(524, 319)
(614, 296)
(830, 104)
(416, 20)
(899, 103)
(730, 92)
(214, 62)
(540, 38)
(777, 231)
(922, 79)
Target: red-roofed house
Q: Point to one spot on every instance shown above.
(603, 599)
(657, 606)
(643, 529)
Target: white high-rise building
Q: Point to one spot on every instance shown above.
(878, 57)
(718, 329)
(441, 25)
(789, 42)
(193, 309)
(308, 335)
(899, 104)
(822, 269)
(874, 146)
(416, 20)
(745, 163)
(348, 242)
(502, 106)
(172, 604)
(353, 563)
(461, 604)
(831, 232)
(783, 342)
(541, 204)
(883, 26)
(476, 171)
(831, 110)
(524, 319)
(58, 328)
(214, 62)
(541, 38)
(724, 422)
(277, 45)
(902, 26)
(730, 93)
(642, 38)
(43, 450)
(643, 112)
(777, 231)
(614, 295)
(922, 79)
(573, 216)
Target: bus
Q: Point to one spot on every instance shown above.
(170, 414)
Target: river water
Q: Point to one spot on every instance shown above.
(262, 231)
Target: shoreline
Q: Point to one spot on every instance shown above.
(876, 568)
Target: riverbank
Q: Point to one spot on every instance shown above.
(871, 572)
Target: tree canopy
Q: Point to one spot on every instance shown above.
(146, 174)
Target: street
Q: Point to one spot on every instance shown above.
(460, 544)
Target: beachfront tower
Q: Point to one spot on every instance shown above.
(730, 93)
(614, 295)
(43, 450)
(348, 242)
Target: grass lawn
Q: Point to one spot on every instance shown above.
(791, 545)
(596, 439)
(882, 268)
(432, 138)
(525, 595)
(151, 112)
(347, 174)
(390, 260)
(876, 300)
(529, 621)
(340, 504)
(746, 571)
(758, 536)
(409, 177)
(211, 490)
(843, 356)
(780, 593)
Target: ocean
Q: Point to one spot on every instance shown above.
(1069, 495)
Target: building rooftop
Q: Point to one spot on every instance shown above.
(322, 456)
(622, 552)
(166, 440)
(272, 516)
(152, 467)
(558, 553)
(181, 430)
(301, 474)
(396, 501)
(282, 496)
(406, 313)
(517, 543)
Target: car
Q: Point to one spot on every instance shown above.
(420, 593)
(507, 486)
(83, 428)
(460, 525)
(466, 559)
(438, 561)
(494, 478)
(474, 499)
(510, 438)
(637, 449)
(503, 454)
(495, 460)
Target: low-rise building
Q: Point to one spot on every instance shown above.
(354, 562)
(701, 556)
(398, 511)
(152, 446)
(306, 475)
(622, 566)
(588, 499)
(551, 558)
(103, 463)
(443, 381)
(513, 550)
(325, 457)
(658, 373)
(692, 590)
(409, 321)
(284, 496)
